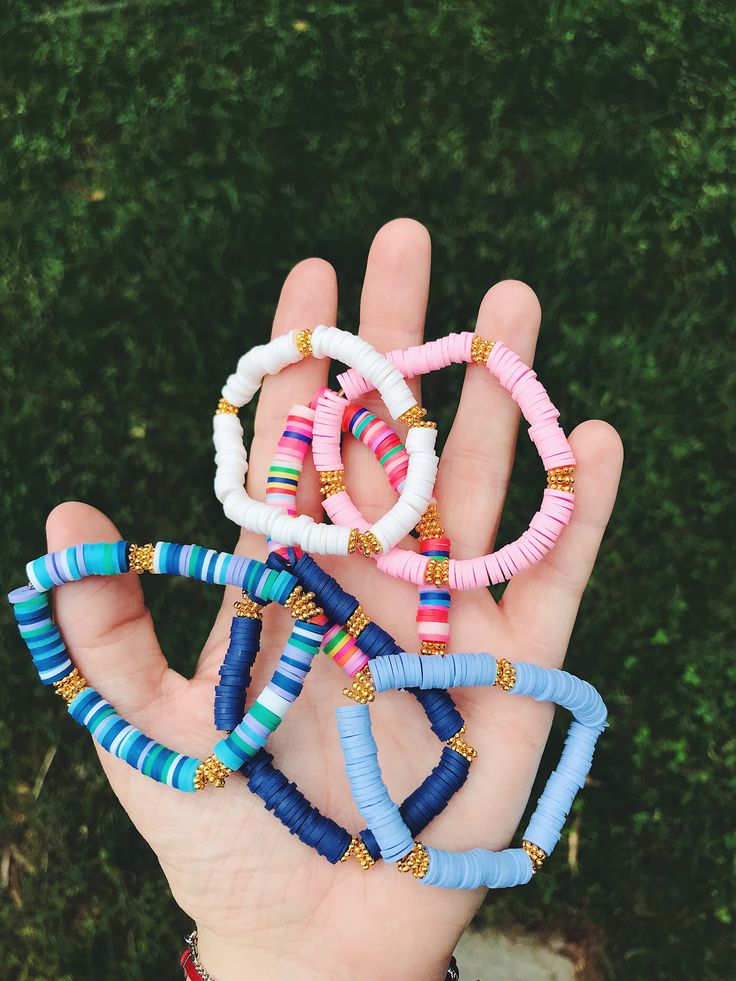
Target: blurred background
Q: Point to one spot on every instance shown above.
(163, 165)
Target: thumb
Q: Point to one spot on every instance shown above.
(103, 620)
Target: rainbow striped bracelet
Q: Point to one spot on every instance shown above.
(479, 867)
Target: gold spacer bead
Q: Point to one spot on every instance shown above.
(415, 417)
(429, 525)
(301, 605)
(140, 558)
(357, 622)
(368, 544)
(433, 647)
(357, 847)
(331, 482)
(437, 572)
(225, 408)
(70, 686)
(505, 674)
(535, 853)
(561, 478)
(416, 862)
(362, 689)
(304, 343)
(480, 350)
(248, 608)
(353, 540)
(462, 747)
(212, 771)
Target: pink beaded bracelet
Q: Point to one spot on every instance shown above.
(520, 381)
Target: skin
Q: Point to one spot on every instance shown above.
(265, 905)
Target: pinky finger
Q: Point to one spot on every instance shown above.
(543, 602)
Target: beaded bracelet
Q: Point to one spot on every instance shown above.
(520, 381)
(284, 474)
(479, 867)
(32, 611)
(242, 749)
(231, 457)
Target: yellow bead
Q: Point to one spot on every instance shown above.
(362, 689)
(304, 343)
(429, 525)
(331, 482)
(357, 622)
(437, 572)
(301, 605)
(225, 408)
(353, 540)
(70, 686)
(433, 647)
(505, 674)
(416, 862)
(480, 350)
(464, 749)
(561, 478)
(140, 558)
(357, 847)
(248, 608)
(535, 853)
(368, 544)
(211, 771)
(415, 417)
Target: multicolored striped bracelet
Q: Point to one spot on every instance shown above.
(231, 458)
(479, 867)
(521, 382)
(284, 475)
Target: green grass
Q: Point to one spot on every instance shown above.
(164, 164)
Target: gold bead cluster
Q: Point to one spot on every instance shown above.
(416, 862)
(212, 771)
(357, 622)
(70, 686)
(505, 674)
(357, 847)
(225, 408)
(561, 478)
(353, 539)
(437, 572)
(535, 853)
(301, 605)
(362, 689)
(140, 558)
(460, 746)
(433, 647)
(248, 608)
(480, 350)
(368, 544)
(331, 482)
(429, 525)
(415, 417)
(304, 343)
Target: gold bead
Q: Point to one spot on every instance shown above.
(353, 540)
(70, 686)
(460, 746)
(415, 417)
(429, 525)
(357, 622)
(561, 478)
(140, 558)
(437, 572)
(505, 674)
(362, 689)
(248, 608)
(480, 350)
(357, 847)
(212, 771)
(301, 605)
(416, 862)
(535, 853)
(304, 343)
(368, 544)
(331, 482)
(433, 647)
(225, 408)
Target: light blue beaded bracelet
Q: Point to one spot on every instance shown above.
(479, 867)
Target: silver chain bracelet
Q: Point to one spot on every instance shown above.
(191, 942)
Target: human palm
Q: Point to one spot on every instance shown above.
(265, 904)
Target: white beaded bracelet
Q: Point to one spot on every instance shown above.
(231, 457)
